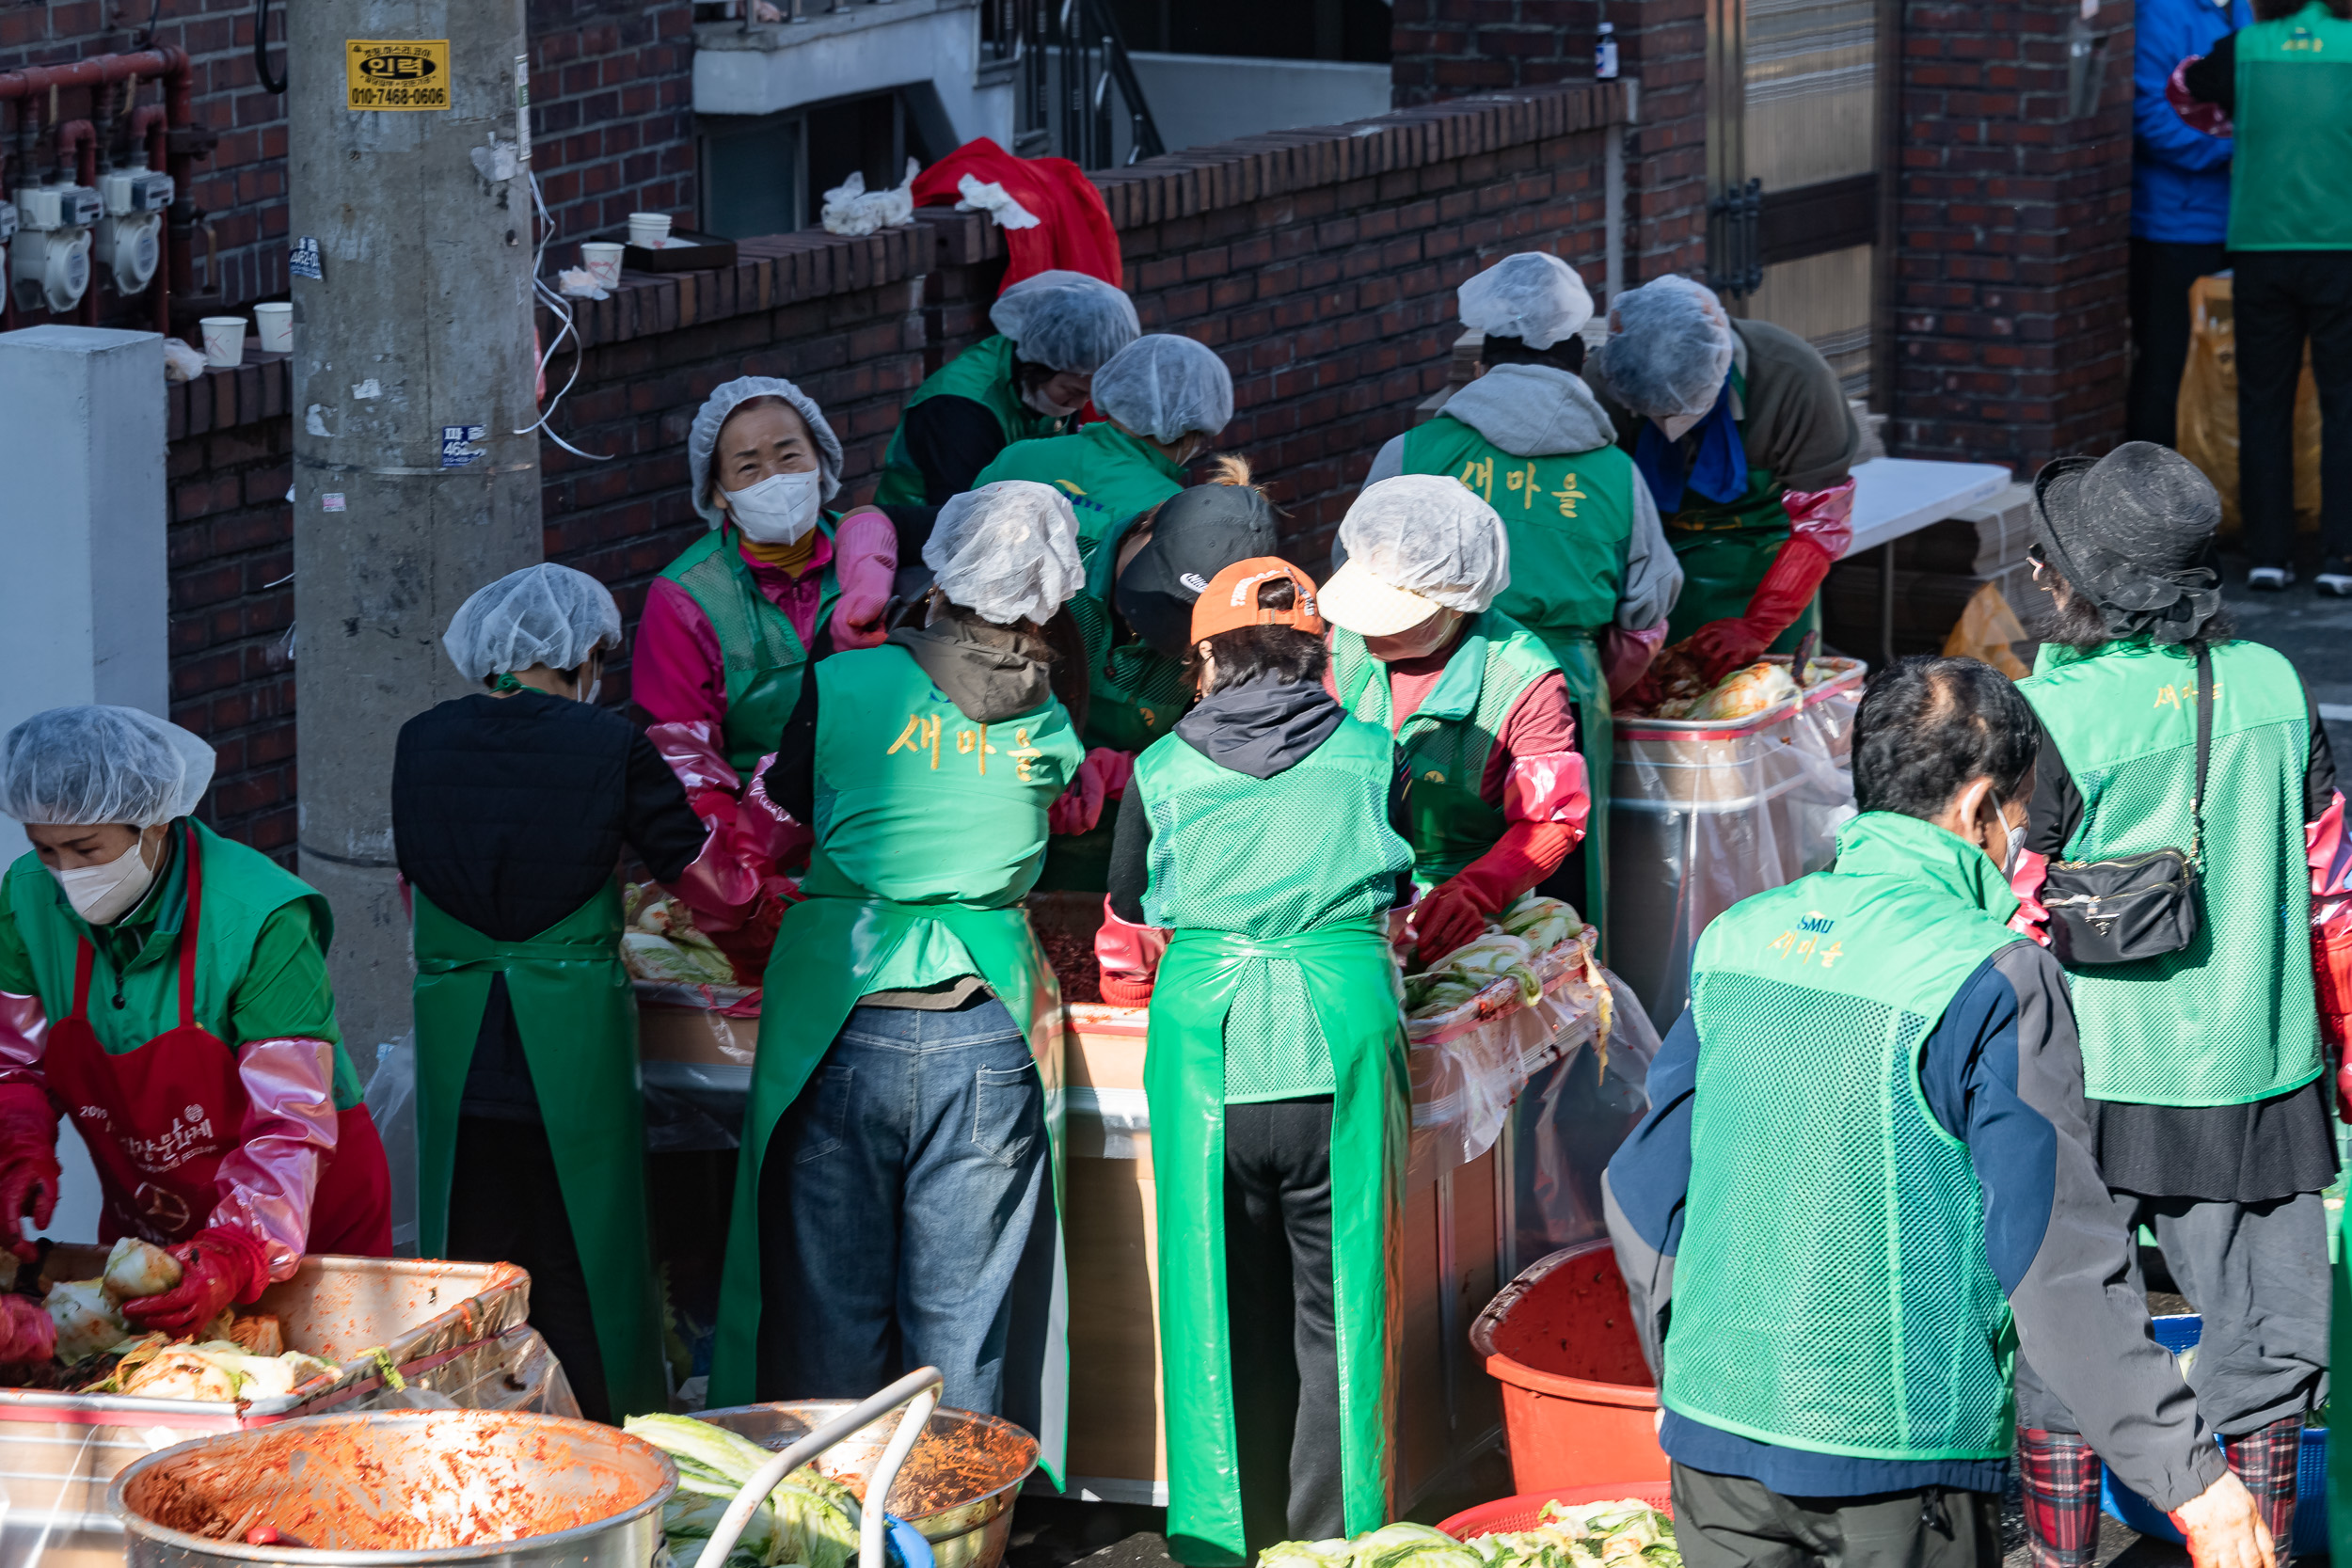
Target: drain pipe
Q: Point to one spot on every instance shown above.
(1613, 193)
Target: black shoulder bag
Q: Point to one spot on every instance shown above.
(2135, 907)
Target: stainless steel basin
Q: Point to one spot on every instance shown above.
(400, 1486)
(957, 1487)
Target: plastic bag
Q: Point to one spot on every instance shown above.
(851, 208)
(391, 1101)
(1562, 1130)
(1986, 628)
(2207, 410)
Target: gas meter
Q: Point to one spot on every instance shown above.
(129, 239)
(51, 262)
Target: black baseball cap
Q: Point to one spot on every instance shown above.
(1196, 533)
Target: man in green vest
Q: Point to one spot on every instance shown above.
(1591, 571)
(165, 988)
(1476, 702)
(510, 809)
(1054, 330)
(1865, 1182)
(1254, 871)
(2205, 1077)
(731, 624)
(1745, 438)
(2284, 88)
(897, 1203)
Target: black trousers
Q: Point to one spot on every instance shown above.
(506, 1207)
(2161, 274)
(1732, 1522)
(2282, 298)
(1279, 1310)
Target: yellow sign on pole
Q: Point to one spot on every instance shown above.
(396, 73)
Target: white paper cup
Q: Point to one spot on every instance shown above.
(603, 261)
(648, 229)
(273, 327)
(224, 341)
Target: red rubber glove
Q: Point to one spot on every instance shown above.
(866, 564)
(1080, 806)
(1127, 959)
(1525, 854)
(217, 1270)
(2332, 974)
(1442, 922)
(1117, 768)
(28, 1333)
(1820, 526)
(28, 1164)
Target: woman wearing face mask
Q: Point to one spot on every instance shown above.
(1477, 704)
(1053, 331)
(2203, 1065)
(510, 809)
(168, 989)
(732, 622)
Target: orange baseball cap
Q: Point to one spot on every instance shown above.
(1230, 600)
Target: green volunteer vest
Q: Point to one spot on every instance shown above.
(1725, 547)
(243, 888)
(577, 1015)
(1445, 744)
(929, 831)
(982, 373)
(1108, 475)
(2231, 1018)
(1568, 517)
(1832, 1291)
(2291, 163)
(1273, 950)
(763, 655)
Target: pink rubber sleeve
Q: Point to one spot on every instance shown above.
(267, 1182)
(24, 1037)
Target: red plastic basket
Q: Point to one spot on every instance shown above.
(1517, 1513)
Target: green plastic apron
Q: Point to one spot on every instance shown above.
(577, 1015)
(828, 952)
(1348, 976)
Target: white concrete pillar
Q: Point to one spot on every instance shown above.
(83, 510)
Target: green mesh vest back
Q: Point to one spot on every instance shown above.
(1136, 693)
(2291, 164)
(919, 804)
(1447, 740)
(1832, 1291)
(1567, 516)
(2231, 1018)
(982, 373)
(1108, 475)
(762, 654)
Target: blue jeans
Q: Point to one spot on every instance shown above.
(904, 1210)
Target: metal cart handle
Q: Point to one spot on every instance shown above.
(921, 1386)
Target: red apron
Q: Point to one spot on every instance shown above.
(158, 1119)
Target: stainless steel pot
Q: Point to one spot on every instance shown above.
(393, 1487)
(956, 1487)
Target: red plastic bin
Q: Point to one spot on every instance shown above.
(1518, 1513)
(1578, 1409)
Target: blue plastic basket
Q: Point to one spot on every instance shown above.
(2121, 1502)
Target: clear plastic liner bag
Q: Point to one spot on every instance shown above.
(391, 1101)
(1565, 1126)
(513, 1371)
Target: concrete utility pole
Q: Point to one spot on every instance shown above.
(412, 221)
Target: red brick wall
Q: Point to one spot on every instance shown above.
(1321, 266)
(611, 98)
(2014, 222)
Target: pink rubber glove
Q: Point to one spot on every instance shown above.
(2193, 112)
(220, 1268)
(29, 1164)
(28, 1333)
(1128, 959)
(1080, 806)
(1117, 768)
(864, 563)
(1820, 527)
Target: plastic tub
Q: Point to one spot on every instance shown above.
(2177, 1333)
(1517, 1513)
(1578, 1409)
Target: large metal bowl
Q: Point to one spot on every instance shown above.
(393, 1487)
(957, 1487)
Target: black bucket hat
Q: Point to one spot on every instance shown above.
(1196, 533)
(2133, 533)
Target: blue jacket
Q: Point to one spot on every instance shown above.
(2180, 177)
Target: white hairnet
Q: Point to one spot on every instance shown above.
(1008, 551)
(1428, 535)
(1065, 321)
(81, 767)
(1166, 386)
(546, 614)
(1533, 296)
(703, 438)
(1669, 348)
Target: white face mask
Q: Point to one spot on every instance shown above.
(779, 510)
(1035, 397)
(2016, 847)
(594, 687)
(103, 894)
